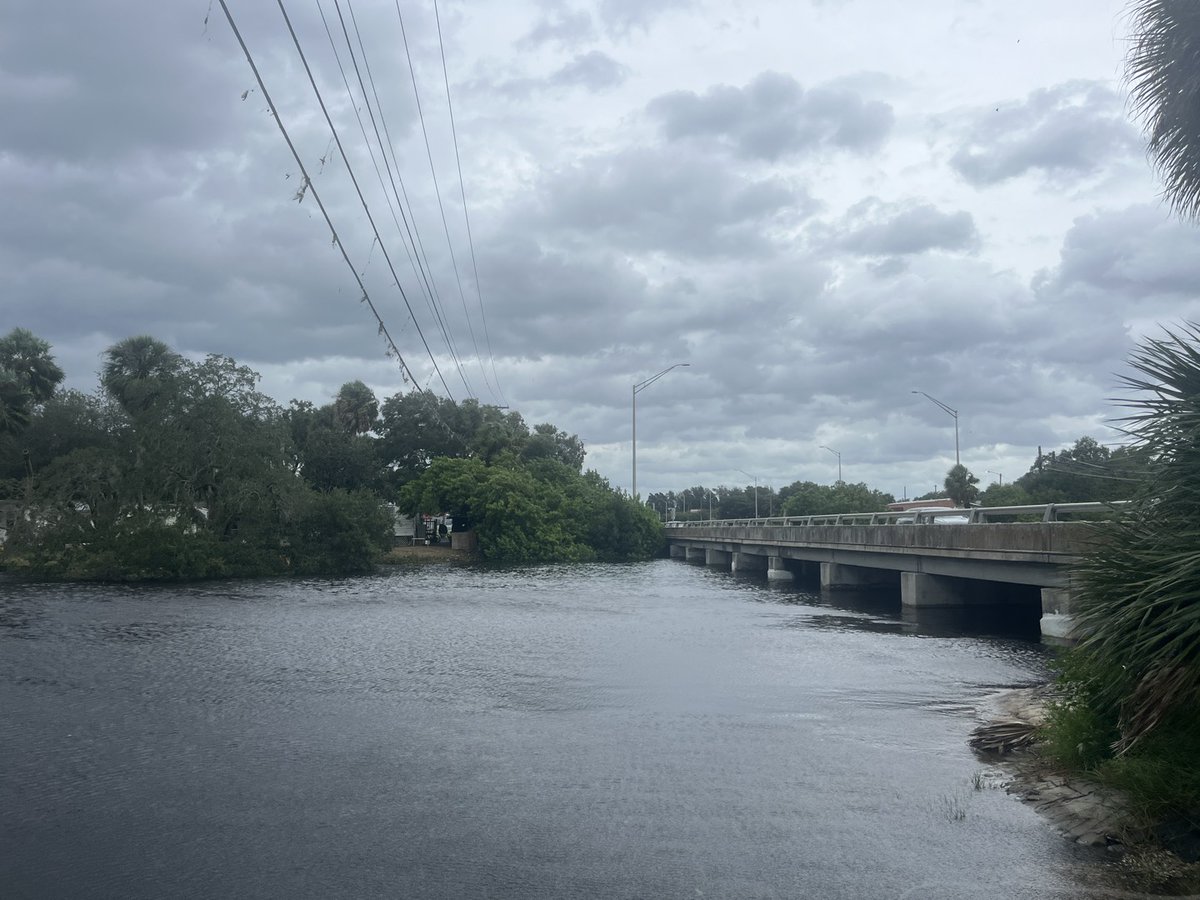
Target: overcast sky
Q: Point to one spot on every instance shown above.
(820, 205)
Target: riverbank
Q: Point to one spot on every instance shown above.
(422, 553)
(1080, 809)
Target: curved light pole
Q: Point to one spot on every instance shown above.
(710, 500)
(998, 475)
(637, 389)
(838, 454)
(946, 409)
(755, 477)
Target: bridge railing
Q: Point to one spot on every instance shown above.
(1043, 512)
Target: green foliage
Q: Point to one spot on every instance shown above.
(537, 513)
(961, 485)
(1085, 472)
(355, 409)
(1140, 587)
(810, 499)
(1164, 77)
(1005, 495)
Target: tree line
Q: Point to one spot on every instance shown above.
(1086, 471)
(175, 468)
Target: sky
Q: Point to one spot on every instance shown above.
(821, 206)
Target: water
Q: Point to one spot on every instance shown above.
(645, 731)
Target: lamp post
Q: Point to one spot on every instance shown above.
(838, 454)
(710, 500)
(637, 389)
(946, 409)
(755, 477)
(998, 475)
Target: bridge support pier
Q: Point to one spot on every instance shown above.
(695, 554)
(777, 570)
(678, 552)
(1058, 625)
(718, 558)
(748, 562)
(920, 589)
(840, 577)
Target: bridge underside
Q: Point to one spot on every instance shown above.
(925, 576)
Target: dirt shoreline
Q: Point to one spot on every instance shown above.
(1080, 810)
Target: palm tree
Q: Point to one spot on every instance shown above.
(1163, 70)
(136, 371)
(1140, 587)
(27, 357)
(15, 400)
(356, 408)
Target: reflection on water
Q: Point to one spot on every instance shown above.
(650, 730)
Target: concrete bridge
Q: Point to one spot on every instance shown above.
(975, 560)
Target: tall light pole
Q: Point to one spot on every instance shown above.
(998, 475)
(838, 454)
(755, 477)
(710, 500)
(637, 389)
(952, 412)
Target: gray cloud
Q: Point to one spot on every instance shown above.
(623, 16)
(594, 71)
(873, 228)
(1070, 130)
(649, 200)
(1138, 262)
(567, 28)
(774, 117)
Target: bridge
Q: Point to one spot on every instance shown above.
(945, 557)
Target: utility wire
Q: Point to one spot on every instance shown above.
(422, 281)
(431, 289)
(438, 194)
(392, 348)
(366, 209)
(463, 190)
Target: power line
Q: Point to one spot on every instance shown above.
(463, 189)
(438, 193)
(346, 159)
(418, 270)
(392, 348)
(433, 295)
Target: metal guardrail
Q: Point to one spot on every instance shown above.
(1047, 512)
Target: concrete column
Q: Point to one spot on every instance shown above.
(748, 562)
(718, 558)
(1058, 624)
(678, 551)
(695, 554)
(777, 570)
(920, 589)
(838, 577)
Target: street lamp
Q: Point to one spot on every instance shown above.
(952, 412)
(637, 389)
(838, 454)
(755, 477)
(998, 475)
(710, 500)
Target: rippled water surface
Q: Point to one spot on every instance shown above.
(648, 731)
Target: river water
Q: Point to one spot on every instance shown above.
(645, 731)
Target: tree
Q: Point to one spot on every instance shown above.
(355, 408)
(547, 442)
(960, 485)
(136, 371)
(1163, 70)
(1140, 588)
(28, 358)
